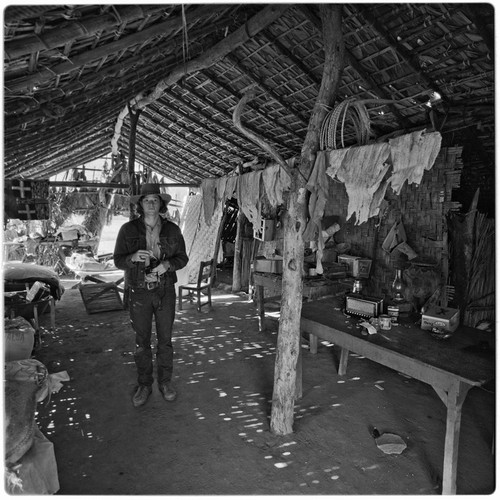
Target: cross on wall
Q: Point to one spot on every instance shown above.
(22, 188)
(28, 211)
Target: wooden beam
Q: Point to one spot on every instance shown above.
(193, 152)
(84, 27)
(356, 66)
(160, 163)
(224, 112)
(196, 111)
(258, 81)
(258, 22)
(286, 52)
(114, 185)
(167, 121)
(27, 83)
(161, 145)
(288, 345)
(151, 64)
(209, 76)
(402, 51)
(482, 25)
(44, 173)
(251, 28)
(238, 110)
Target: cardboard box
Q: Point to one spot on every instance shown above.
(362, 268)
(444, 318)
(269, 266)
(356, 266)
(348, 261)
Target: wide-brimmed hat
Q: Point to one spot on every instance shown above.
(147, 189)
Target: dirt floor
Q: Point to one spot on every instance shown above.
(215, 438)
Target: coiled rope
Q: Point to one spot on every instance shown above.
(352, 111)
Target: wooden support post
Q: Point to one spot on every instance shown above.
(134, 119)
(238, 244)
(217, 243)
(288, 345)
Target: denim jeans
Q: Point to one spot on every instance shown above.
(144, 305)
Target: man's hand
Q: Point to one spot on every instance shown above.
(140, 255)
(162, 267)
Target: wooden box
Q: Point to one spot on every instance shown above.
(444, 318)
(100, 297)
(269, 266)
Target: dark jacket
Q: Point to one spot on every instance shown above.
(132, 237)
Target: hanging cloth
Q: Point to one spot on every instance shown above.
(231, 185)
(411, 154)
(249, 196)
(208, 189)
(221, 190)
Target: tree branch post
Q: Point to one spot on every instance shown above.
(288, 348)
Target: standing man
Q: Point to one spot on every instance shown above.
(151, 249)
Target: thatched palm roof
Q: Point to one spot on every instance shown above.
(70, 71)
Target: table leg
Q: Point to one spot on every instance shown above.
(35, 318)
(53, 314)
(344, 357)
(259, 295)
(313, 344)
(453, 399)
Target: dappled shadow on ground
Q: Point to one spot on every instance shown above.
(215, 438)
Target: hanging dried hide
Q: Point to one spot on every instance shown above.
(276, 181)
(248, 190)
(317, 185)
(230, 189)
(411, 154)
(362, 170)
(221, 190)
(209, 192)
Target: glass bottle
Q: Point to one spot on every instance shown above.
(398, 287)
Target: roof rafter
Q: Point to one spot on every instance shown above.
(25, 84)
(353, 62)
(174, 141)
(73, 30)
(162, 119)
(228, 116)
(286, 52)
(256, 80)
(227, 88)
(404, 53)
(201, 125)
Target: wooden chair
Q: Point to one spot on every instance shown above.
(204, 282)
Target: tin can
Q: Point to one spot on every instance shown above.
(385, 321)
(393, 312)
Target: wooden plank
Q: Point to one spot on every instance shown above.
(100, 297)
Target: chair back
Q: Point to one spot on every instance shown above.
(205, 275)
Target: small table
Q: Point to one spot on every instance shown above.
(313, 288)
(449, 366)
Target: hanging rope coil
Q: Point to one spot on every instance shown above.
(351, 111)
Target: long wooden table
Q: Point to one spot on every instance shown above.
(313, 288)
(450, 366)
